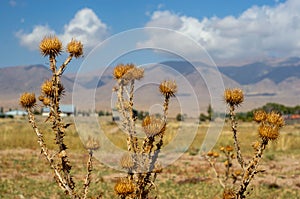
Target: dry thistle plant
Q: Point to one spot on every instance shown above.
(52, 91)
(140, 161)
(268, 130)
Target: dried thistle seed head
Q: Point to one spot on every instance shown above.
(50, 45)
(216, 154)
(210, 154)
(233, 96)
(153, 126)
(168, 88)
(275, 119)
(41, 98)
(146, 121)
(121, 69)
(126, 161)
(92, 144)
(229, 194)
(46, 101)
(229, 148)
(259, 116)
(238, 172)
(75, 48)
(268, 132)
(47, 88)
(134, 74)
(124, 187)
(27, 100)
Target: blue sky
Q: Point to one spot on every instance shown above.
(231, 31)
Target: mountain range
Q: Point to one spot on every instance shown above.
(262, 82)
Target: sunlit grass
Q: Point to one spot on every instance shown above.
(25, 173)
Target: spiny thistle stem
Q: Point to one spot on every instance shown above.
(63, 184)
(235, 138)
(52, 61)
(87, 180)
(63, 66)
(251, 169)
(132, 119)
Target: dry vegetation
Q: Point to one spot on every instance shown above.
(241, 172)
(25, 174)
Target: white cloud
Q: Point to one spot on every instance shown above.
(32, 40)
(85, 26)
(258, 33)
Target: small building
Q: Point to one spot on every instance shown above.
(66, 110)
(15, 113)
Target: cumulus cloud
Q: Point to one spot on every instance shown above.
(85, 26)
(258, 33)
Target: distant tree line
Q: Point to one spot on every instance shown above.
(248, 116)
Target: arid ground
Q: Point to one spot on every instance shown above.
(24, 173)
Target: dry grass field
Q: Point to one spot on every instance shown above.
(25, 174)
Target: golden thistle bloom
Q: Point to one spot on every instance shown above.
(237, 172)
(153, 126)
(210, 153)
(168, 88)
(124, 187)
(47, 88)
(216, 154)
(259, 115)
(27, 100)
(75, 48)
(121, 70)
(229, 194)
(92, 144)
(233, 96)
(275, 119)
(50, 45)
(134, 73)
(269, 132)
(126, 161)
(46, 101)
(229, 148)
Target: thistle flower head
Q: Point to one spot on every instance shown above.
(92, 144)
(168, 88)
(124, 187)
(259, 116)
(229, 148)
(210, 154)
(75, 48)
(121, 69)
(275, 119)
(268, 132)
(50, 45)
(233, 97)
(134, 74)
(47, 88)
(153, 126)
(27, 100)
(229, 194)
(46, 101)
(126, 161)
